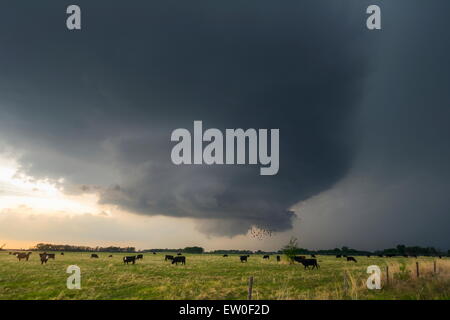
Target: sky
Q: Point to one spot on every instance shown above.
(86, 118)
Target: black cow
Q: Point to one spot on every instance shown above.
(266, 257)
(338, 256)
(307, 262)
(129, 259)
(95, 256)
(351, 259)
(278, 258)
(225, 256)
(380, 256)
(440, 257)
(179, 254)
(179, 259)
(168, 258)
(110, 256)
(243, 258)
(313, 256)
(21, 256)
(44, 258)
(139, 257)
(154, 252)
(368, 256)
(62, 253)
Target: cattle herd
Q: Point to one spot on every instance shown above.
(179, 258)
(22, 255)
(26, 256)
(45, 256)
(126, 260)
(176, 260)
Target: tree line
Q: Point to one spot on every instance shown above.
(196, 250)
(290, 249)
(72, 248)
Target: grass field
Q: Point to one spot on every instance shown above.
(215, 277)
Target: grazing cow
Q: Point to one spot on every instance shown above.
(414, 256)
(95, 256)
(21, 256)
(179, 254)
(10, 253)
(405, 256)
(129, 259)
(368, 256)
(154, 252)
(266, 257)
(351, 259)
(313, 256)
(62, 253)
(168, 258)
(380, 256)
(44, 258)
(307, 262)
(440, 257)
(179, 259)
(278, 258)
(243, 258)
(139, 257)
(225, 255)
(338, 256)
(110, 256)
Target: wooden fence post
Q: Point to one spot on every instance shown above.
(417, 269)
(387, 275)
(345, 284)
(250, 288)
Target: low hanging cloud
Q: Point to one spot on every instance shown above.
(96, 109)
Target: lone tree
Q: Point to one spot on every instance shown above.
(291, 249)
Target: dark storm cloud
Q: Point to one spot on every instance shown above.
(397, 189)
(97, 107)
(406, 151)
